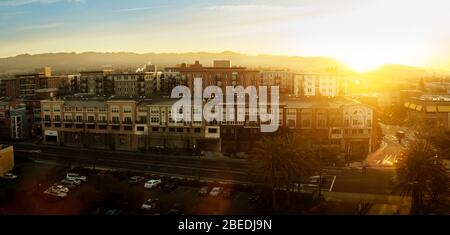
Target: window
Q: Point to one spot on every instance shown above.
(91, 119)
(68, 118)
(142, 119)
(155, 129)
(369, 122)
(171, 129)
(346, 123)
(336, 132)
(197, 130)
(127, 109)
(306, 123)
(102, 110)
(79, 118)
(291, 123)
(56, 108)
(140, 128)
(212, 130)
(115, 119)
(154, 119)
(179, 129)
(127, 120)
(321, 123)
(46, 108)
(360, 131)
(353, 131)
(115, 109)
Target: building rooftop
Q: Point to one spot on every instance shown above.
(436, 98)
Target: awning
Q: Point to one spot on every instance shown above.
(412, 106)
(444, 109)
(419, 107)
(431, 109)
(406, 104)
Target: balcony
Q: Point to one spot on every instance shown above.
(127, 123)
(102, 122)
(114, 123)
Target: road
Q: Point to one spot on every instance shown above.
(230, 170)
(389, 152)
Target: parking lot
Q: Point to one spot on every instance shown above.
(27, 195)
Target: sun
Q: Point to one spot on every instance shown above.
(363, 63)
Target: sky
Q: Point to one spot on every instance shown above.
(363, 34)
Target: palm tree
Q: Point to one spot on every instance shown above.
(419, 174)
(265, 160)
(281, 160)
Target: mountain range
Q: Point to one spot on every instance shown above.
(73, 62)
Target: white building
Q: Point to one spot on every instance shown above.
(315, 84)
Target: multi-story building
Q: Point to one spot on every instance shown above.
(319, 84)
(281, 78)
(218, 76)
(429, 111)
(126, 124)
(96, 82)
(9, 87)
(6, 104)
(342, 127)
(15, 119)
(135, 84)
(20, 121)
(170, 79)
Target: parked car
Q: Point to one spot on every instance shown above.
(136, 179)
(113, 212)
(152, 183)
(75, 176)
(8, 176)
(59, 188)
(228, 193)
(176, 209)
(169, 187)
(69, 185)
(55, 193)
(150, 204)
(67, 181)
(203, 191)
(216, 191)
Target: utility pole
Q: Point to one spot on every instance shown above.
(320, 171)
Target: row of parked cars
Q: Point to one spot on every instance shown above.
(62, 188)
(216, 192)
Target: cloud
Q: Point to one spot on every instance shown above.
(250, 7)
(7, 15)
(138, 9)
(40, 26)
(14, 3)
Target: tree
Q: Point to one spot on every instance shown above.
(280, 161)
(420, 175)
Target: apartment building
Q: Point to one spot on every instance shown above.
(431, 111)
(319, 84)
(126, 124)
(135, 84)
(282, 78)
(15, 119)
(96, 82)
(217, 76)
(340, 126)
